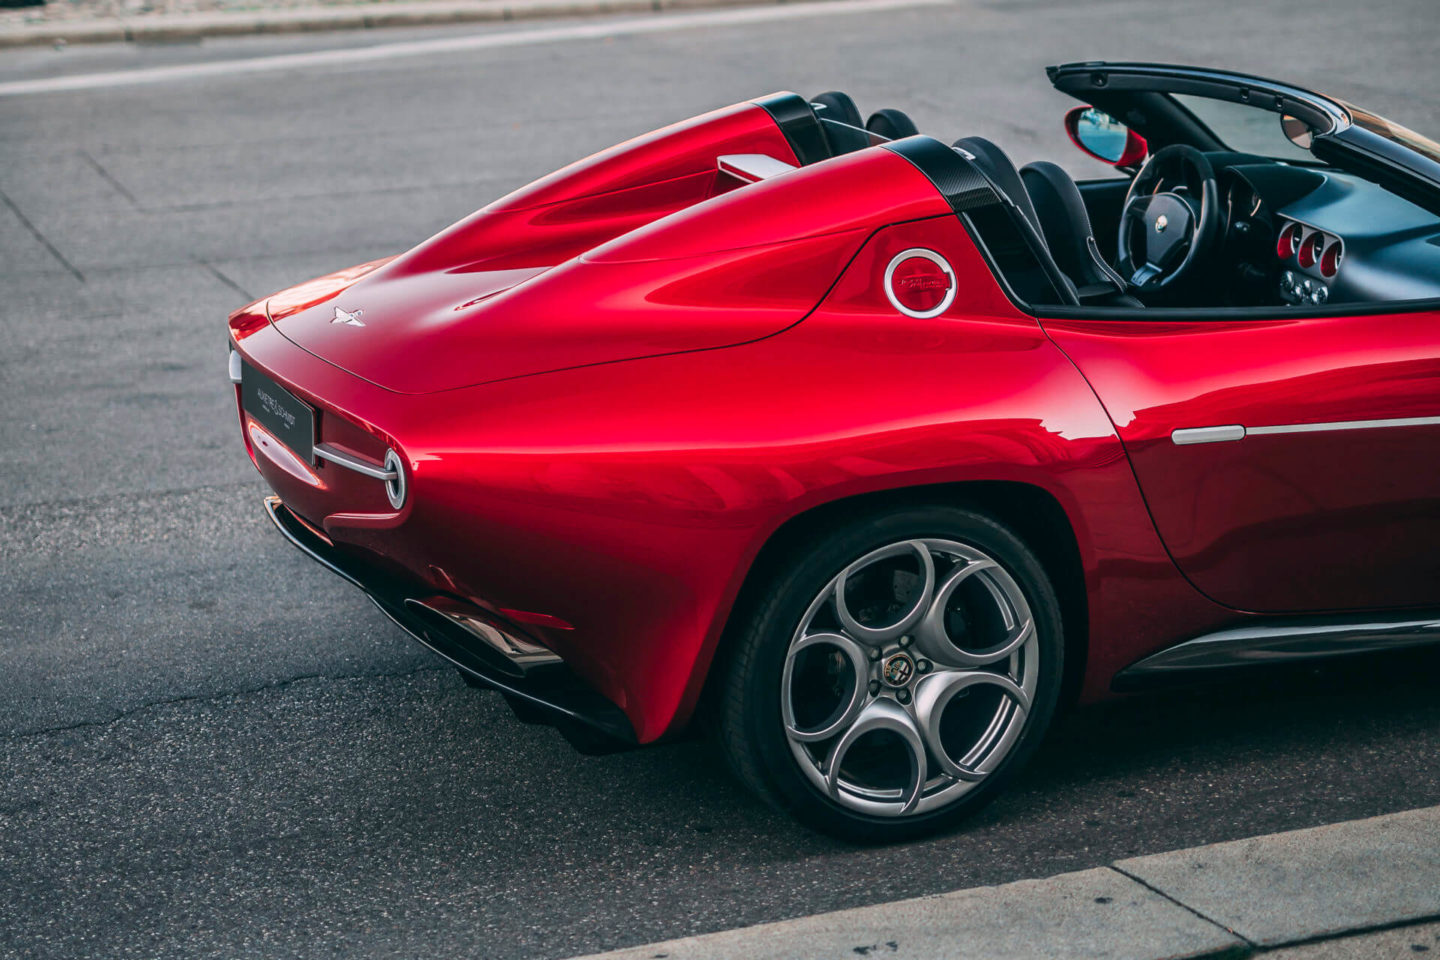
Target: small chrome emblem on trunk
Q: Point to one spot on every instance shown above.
(348, 317)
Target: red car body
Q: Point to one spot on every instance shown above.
(616, 389)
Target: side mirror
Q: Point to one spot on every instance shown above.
(1105, 138)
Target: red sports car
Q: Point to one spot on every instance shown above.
(866, 451)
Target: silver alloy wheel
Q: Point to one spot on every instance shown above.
(910, 677)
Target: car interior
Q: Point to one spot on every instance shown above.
(1219, 205)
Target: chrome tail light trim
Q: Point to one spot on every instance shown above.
(359, 464)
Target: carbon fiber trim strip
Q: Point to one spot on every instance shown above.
(792, 114)
(955, 177)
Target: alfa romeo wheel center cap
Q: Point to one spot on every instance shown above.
(898, 670)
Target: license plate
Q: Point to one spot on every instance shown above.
(283, 415)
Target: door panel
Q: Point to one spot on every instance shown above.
(1313, 506)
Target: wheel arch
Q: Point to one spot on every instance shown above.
(1032, 512)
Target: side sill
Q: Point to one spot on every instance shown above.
(1296, 641)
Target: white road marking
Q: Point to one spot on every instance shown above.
(350, 56)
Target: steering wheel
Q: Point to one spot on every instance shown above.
(1164, 227)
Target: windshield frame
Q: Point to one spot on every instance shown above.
(1392, 131)
(1338, 141)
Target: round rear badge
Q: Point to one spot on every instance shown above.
(920, 283)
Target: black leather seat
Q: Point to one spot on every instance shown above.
(1047, 197)
(1067, 230)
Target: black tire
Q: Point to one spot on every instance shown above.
(747, 708)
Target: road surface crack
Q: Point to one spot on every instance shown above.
(215, 271)
(44, 241)
(109, 178)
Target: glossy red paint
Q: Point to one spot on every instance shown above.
(629, 500)
(715, 274)
(306, 295)
(611, 390)
(1305, 521)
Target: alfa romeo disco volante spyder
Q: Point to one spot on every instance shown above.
(865, 451)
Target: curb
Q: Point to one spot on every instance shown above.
(181, 28)
(1356, 883)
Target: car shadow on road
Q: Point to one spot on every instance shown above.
(411, 807)
(1279, 748)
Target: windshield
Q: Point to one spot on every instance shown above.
(1244, 128)
(1252, 130)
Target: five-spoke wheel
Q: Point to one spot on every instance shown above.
(902, 679)
(909, 677)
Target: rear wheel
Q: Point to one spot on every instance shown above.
(900, 673)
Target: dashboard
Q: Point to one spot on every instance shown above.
(1299, 235)
(1311, 259)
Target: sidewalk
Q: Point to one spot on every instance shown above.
(1364, 889)
(101, 21)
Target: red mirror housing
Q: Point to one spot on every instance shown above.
(1084, 125)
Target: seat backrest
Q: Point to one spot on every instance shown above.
(1088, 277)
(1066, 226)
(1002, 173)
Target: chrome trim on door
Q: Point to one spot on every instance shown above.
(367, 467)
(1278, 643)
(1188, 435)
(1343, 425)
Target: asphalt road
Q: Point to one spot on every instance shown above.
(210, 747)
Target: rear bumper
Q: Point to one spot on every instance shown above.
(488, 651)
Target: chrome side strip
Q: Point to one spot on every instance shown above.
(1188, 435)
(1343, 425)
(1291, 642)
(368, 467)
